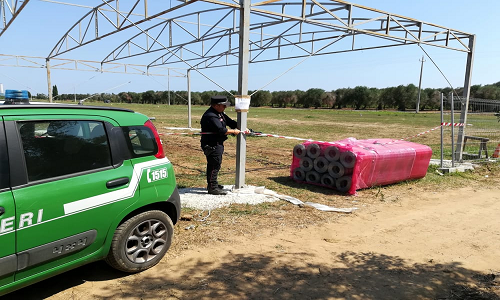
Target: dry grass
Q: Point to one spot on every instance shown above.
(268, 163)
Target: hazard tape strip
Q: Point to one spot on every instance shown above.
(186, 133)
(454, 124)
(422, 133)
(309, 140)
(250, 134)
(442, 124)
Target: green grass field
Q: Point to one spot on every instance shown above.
(268, 159)
(332, 125)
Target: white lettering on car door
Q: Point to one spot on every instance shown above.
(28, 218)
(25, 218)
(40, 214)
(7, 224)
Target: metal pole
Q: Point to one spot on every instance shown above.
(452, 132)
(168, 86)
(420, 84)
(189, 96)
(442, 130)
(47, 64)
(466, 95)
(244, 56)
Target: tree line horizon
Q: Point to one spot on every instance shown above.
(402, 97)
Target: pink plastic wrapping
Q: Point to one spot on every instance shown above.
(350, 164)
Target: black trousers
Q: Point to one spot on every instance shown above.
(214, 161)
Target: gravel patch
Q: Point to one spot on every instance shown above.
(198, 198)
(447, 164)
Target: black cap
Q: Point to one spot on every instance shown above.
(220, 100)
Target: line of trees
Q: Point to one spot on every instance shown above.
(402, 97)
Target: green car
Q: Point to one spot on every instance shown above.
(80, 184)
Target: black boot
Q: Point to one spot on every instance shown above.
(216, 191)
(218, 186)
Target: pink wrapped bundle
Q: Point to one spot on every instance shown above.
(350, 164)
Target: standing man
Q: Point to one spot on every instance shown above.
(214, 122)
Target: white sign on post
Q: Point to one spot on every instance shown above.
(242, 103)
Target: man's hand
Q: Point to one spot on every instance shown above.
(235, 131)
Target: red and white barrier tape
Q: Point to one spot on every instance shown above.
(454, 124)
(281, 136)
(186, 133)
(251, 134)
(422, 133)
(442, 124)
(311, 140)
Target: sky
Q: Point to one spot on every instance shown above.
(41, 24)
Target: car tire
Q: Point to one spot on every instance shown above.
(141, 242)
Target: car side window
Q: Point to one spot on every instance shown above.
(142, 141)
(63, 147)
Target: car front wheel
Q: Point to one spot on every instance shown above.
(141, 241)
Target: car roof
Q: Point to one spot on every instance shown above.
(125, 117)
(59, 106)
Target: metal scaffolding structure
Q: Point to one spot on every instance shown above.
(7, 60)
(200, 34)
(209, 37)
(9, 12)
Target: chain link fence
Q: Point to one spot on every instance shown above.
(482, 131)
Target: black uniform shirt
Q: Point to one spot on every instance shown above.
(214, 122)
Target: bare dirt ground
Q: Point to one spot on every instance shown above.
(428, 245)
(409, 241)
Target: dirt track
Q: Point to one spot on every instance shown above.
(427, 245)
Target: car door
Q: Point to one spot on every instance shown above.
(67, 191)
(8, 260)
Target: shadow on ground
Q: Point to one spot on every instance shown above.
(287, 181)
(249, 276)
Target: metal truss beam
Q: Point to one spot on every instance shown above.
(208, 35)
(208, 38)
(9, 12)
(88, 65)
(107, 19)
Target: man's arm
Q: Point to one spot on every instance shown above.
(233, 131)
(230, 122)
(233, 125)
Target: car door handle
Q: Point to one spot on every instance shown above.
(117, 182)
(2, 210)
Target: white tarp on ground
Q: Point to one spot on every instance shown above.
(198, 198)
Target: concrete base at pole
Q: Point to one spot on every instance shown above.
(452, 170)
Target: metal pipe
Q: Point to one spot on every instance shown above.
(244, 56)
(442, 129)
(452, 132)
(189, 96)
(168, 86)
(49, 84)
(466, 95)
(420, 85)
